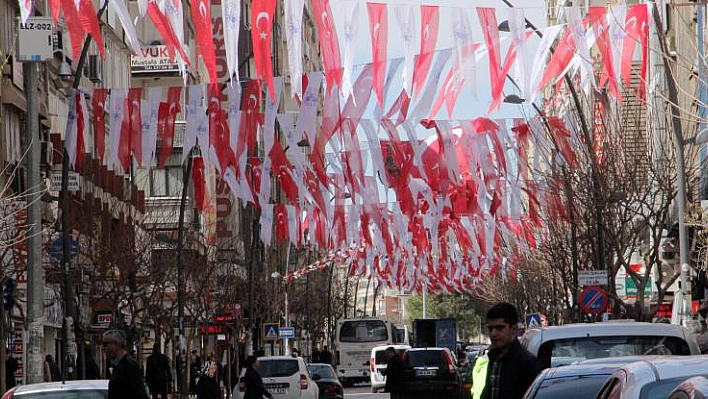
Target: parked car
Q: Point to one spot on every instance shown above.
(88, 389)
(581, 380)
(431, 373)
(559, 345)
(285, 377)
(327, 381)
(377, 364)
(653, 377)
(692, 388)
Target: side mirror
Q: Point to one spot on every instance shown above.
(316, 377)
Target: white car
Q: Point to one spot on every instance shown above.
(652, 377)
(377, 363)
(285, 377)
(89, 389)
(560, 345)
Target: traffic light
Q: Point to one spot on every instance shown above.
(7, 289)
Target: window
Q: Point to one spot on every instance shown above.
(363, 331)
(278, 368)
(166, 182)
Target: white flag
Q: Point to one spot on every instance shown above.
(307, 117)
(521, 70)
(539, 61)
(149, 111)
(406, 24)
(118, 7)
(577, 30)
(293, 24)
(117, 108)
(464, 57)
(351, 30)
(616, 18)
(231, 14)
(71, 129)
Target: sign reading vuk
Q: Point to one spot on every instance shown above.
(153, 59)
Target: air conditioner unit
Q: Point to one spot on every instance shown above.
(95, 68)
(46, 153)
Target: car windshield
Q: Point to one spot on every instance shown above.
(76, 394)
(278, 368)
(566, 351)
(363, 331)
(426, 358)
(322, 371)
(576, 387)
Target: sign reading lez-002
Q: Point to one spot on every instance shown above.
(593, 300)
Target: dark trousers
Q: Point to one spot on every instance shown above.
(158, 390)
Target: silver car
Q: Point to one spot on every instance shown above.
(560, 345)
(654, 377)
(79, 389)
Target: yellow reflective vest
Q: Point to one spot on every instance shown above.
(479, 376)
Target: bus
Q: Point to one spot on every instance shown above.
(353, 343)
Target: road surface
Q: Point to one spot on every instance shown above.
(363, 391)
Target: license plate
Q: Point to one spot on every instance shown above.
(276, 389)
(425, 373)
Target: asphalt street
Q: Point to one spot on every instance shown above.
(363, 391)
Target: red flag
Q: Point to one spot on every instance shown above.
(200, 188)
(73, 24)
(219, 134)
(280, 216)
(80, 124)
(599, 24)
(329, 43)
(637, 28)
(378, 28)
(98, 105)
(55, 6)
(561, 135)
(89, 21)
(565, 50)
(162, 24)
(201, 15)
(281, 168)
(166, 123)
(136, 124)
(261, 32)
(488, 21)
(428, 39)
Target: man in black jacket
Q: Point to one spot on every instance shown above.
(254, 383)
(511, 368)
(394, 373)
(157, 373)
(126, 380)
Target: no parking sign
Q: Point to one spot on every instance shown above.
(593, 300)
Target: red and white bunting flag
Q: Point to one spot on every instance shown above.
(280, 215)
(447, 142)
(428, 39)
(231, 14)
(564, 52)
(136, 125)
(150, 118)
(166, 123)
(637, 30)
(98, 106)
(162, 13)
(378, 29)
(351, 31)
(74, 26)
(378, 112)
(201, 15)
(615, 20)
(89, 21)
(201, 193)
(375, 149)
(561, 136)
(195, 115)
(293, 21)
(576, 27)
(220, 153)
(423, 105)
(117, 109)
(464, 62)
(293, 225)
(261, 32)
(72, 117)
(81, 131)
(598, 19)
(329, 43)
(282, 170)
(307, 116)
(356, 104)
(271, 109)
(539, 61)
(497, 70)
(118, 7)
(517, 27)
(406, 21)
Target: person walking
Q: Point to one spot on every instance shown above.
(51, 370)
(254, 383)
(511, 368)
(208, 385)
(325, 355)
(195, 365)
(126, 377)
(11, 366)
(394, 372)
(158, 374)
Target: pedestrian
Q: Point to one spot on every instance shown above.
(11, 366)
(511, 368)
(325, 355)
(394, 372)
(51, 370)
(208, 386)
(195, 367)
(126, 377)
(315, 355)
(254, 383)
(158, 374)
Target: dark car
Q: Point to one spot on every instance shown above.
(326, 379)
(431, 373)
(577, 381)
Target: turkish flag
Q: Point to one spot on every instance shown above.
(201, 14)
(200, 188)
(261, 33)
(378, 28)
(329, 43)
(166, 123)
(98, 104)
(428, 38)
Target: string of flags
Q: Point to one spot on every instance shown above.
(435, 214)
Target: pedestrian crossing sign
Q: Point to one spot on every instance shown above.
(271, 331)
(533, 320)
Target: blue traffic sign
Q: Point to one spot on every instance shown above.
(271, 331)
(533, 320)
(287, 332)
(56, 248)
(593, 300)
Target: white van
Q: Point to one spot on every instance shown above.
(377, 363)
